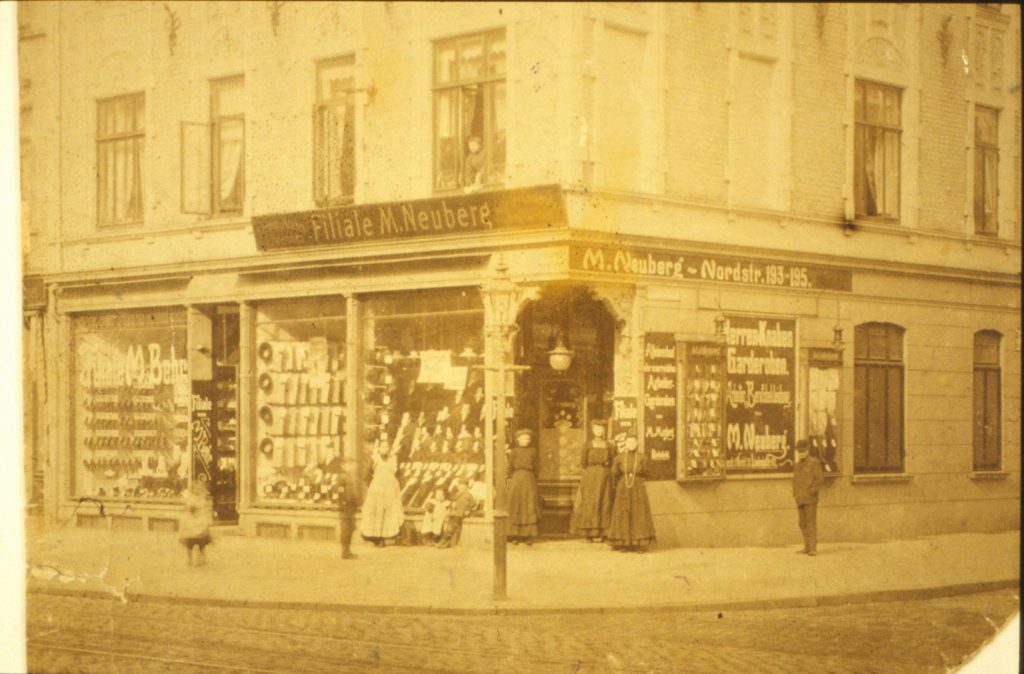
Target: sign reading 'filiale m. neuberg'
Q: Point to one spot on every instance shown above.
(527, 208)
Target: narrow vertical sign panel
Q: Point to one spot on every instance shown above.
(760, 393)
(202, 430)
(660, 405)
(702, 452)
(624, 418)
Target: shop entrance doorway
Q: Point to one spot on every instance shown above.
(558, 396)
(214, 345)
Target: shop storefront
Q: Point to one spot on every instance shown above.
(357, 329)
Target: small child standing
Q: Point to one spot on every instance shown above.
(462, 507)
(435, 511)
(195, 525)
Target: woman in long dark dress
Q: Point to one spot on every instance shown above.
(632, 525)
(522, 488)
(594, 511)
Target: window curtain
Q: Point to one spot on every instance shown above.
(121, 181)
(881, 171)
(135, 187)
(448, 151)
(871, 159)
(985, 193)
(341, 151)
(231, 145)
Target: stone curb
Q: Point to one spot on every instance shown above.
(880, 596)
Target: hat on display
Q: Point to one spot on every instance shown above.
(267, 415)
(523, 431)
(265, 351)
(266, 382)
(267, 447)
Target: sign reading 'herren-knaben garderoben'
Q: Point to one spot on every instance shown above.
(527, 208)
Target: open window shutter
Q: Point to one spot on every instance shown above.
(195, 168)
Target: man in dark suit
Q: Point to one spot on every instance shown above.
(807, 481)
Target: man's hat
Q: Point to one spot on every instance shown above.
(599, 422)
(523, 431)
(802, 445)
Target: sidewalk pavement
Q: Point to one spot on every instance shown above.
(550, 575)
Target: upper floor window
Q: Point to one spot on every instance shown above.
(878, 398)
(228, 115)
(120, 140)
(469, 111)
(986, 170)
(877, 150)
(334, 132)
(987, 401)
(213, 154)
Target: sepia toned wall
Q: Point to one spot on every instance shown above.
(683, 129)
(721, 128)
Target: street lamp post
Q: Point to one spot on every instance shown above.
(499, 296)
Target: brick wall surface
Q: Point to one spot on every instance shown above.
(819, 93)
(943, 166)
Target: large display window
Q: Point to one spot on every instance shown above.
(300, 402)
(130, 399)
(423, 385)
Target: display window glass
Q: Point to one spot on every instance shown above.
(300, 404)
(822, 414)
(130, 405)
(423, 386)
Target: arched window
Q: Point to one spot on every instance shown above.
(987, 401)
(878, 398)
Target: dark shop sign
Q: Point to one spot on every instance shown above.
(526, 208)
(760, 394)
(659, 400)
(825, 358)
(745, 271)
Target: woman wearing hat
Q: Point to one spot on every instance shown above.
(522, 490)
(594, 512)
(383, 515)
(632, 526)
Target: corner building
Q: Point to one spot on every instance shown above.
(261, 240)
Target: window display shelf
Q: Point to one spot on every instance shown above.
(271, 403)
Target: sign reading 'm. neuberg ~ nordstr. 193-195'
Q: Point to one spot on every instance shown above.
(660, 264)
(480, 212)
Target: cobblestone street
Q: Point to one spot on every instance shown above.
(70, 634)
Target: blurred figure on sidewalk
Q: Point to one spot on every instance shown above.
(462, 507)
(807, 481)
(347, 506)
(194, 529)
(435, 512)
